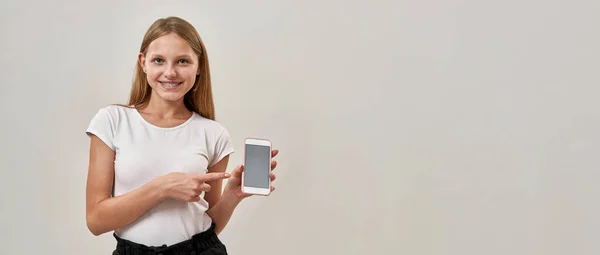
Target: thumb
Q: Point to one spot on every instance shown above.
(212, 176)
(237, 172)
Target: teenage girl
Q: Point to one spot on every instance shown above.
(157, 164)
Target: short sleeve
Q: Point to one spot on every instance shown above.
(223, 147)
(102, 126)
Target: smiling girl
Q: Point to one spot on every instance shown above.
(157, 164)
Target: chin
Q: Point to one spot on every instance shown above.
(170, 96)
(172, 99)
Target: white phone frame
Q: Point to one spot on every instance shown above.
(256, 190)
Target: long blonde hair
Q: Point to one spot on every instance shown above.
(199, 99)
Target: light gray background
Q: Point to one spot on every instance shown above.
(405, 127)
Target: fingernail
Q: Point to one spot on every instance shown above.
(227, 175)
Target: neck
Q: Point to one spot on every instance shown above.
(166, 109)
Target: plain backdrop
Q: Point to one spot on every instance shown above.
(405, 127)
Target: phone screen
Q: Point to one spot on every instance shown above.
(257, 166)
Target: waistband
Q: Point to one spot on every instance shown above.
(199, 242)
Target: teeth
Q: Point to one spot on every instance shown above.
(170, 84)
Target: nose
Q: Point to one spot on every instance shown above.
(170, 71)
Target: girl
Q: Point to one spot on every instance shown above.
(156, 165)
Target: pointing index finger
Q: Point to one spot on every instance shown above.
(212, 176)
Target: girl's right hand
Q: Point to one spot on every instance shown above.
(187, 186)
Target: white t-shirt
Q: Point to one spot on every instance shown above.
(144, 151)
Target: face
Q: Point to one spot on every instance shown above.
(171, 67)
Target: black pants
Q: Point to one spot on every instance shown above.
(205, 243)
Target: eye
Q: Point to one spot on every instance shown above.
(157, 61)
(184, 61)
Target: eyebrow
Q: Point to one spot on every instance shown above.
(180, 56)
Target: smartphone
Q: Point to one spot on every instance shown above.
(257, 167)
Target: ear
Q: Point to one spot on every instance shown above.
(142, 61)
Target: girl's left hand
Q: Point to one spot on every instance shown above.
(234, 184)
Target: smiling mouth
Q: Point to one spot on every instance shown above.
(170, 84)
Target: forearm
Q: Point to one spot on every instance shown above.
(221, 212)
(115, 212)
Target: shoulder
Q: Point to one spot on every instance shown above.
(216, 136)
(111, 117)
(106, 121)
(208, 125)
(116, 110)
(115, 113)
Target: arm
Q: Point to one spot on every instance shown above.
(103, 212)
(221, 206)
